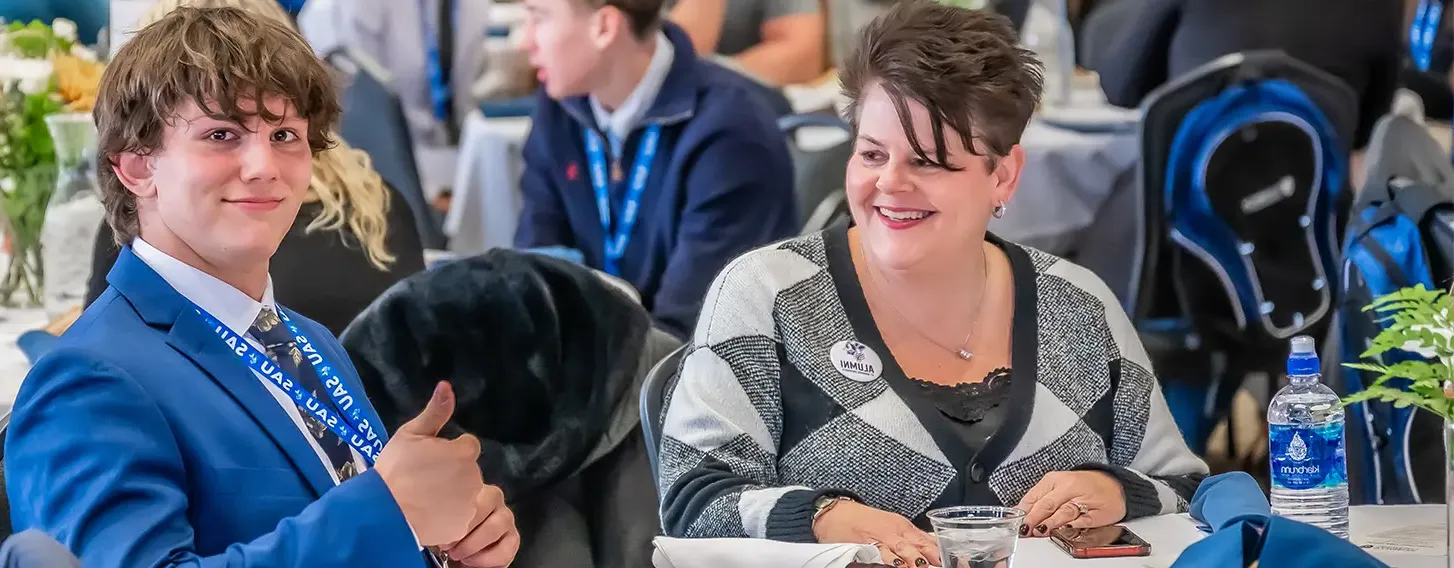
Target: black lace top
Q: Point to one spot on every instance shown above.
(975, 409)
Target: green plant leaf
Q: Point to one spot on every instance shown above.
(1414, 316)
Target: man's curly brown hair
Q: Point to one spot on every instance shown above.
(222, 59)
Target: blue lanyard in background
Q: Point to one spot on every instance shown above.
(440, 93)
(345, 418)
(1421, 34)
(630, 206)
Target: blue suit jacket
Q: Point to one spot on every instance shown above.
(141, 440)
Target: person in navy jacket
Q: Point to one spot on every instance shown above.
(187, 420)
(659, 167)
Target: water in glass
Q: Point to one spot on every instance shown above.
(977, 537)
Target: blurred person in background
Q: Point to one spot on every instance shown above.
(350, 223)
(778, 42)
(433, 51)
(656, 165)
(1430, 47)
(1151, 42)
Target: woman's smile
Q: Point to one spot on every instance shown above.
(899, 219)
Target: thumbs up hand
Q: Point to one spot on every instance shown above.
(435, 481)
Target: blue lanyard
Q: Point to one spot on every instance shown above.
(350, 424)
(440, 94)
(616, 243)
(1423, 31)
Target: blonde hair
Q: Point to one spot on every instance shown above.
(344, 180)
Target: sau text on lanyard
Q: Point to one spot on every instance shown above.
(344, 417)
(631, 203)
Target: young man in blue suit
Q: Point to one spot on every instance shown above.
(657, 166)
(186, 419)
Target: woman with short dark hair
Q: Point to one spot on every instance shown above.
(840, 385)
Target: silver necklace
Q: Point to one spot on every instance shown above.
(963, 349)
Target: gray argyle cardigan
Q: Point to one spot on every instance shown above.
(774, 404)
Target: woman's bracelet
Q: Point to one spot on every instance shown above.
(824, 504)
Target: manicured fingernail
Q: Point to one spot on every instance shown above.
(1024, 530)
(1041, 529)
(921, 562)
(898, 562)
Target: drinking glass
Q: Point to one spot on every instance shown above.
(977, 536)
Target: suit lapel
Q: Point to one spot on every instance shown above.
(162, 306)
(191, 336)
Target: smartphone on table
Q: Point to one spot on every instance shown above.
(1114, 541)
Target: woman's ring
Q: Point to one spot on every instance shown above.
(1080, 508)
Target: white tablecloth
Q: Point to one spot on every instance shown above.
(1170, 535)
(485, 205)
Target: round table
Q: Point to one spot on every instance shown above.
(1375, 528)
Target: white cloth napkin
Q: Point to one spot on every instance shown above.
(756, 553)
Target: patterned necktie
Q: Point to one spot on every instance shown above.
(278, 343)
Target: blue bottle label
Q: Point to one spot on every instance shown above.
(1308, 458)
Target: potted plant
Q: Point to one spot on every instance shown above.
(1415, 351)
(43, 72)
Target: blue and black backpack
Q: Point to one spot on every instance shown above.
(1249, 197)
(1255, 177)
(1401, 235)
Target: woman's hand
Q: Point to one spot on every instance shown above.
(1052, 503)
(898, 540)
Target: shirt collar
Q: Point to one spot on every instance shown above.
(628, 116)
(229, 305)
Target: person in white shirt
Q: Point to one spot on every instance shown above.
(186, 418)
(433, 50)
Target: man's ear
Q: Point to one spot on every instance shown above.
(610, 23)
(135, 172)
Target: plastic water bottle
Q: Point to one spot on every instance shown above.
(1309, 464)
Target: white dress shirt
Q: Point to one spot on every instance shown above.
(619, 124)
(237, 311)
(392, 32)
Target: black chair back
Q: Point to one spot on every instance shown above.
(1164, 111)
(832, 209)
(373, 121)
(653, 401)
(1401, 147)
(1191, 314)
(1395, 455)
(818, 170)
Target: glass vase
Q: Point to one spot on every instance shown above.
(22, 212)
(1047, 33)
(1448, 493)
(73, 215)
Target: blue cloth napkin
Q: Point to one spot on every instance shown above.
(508, 108)
(563, 253)
(1274, 542)
(1223, 499)
(1244, 531)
